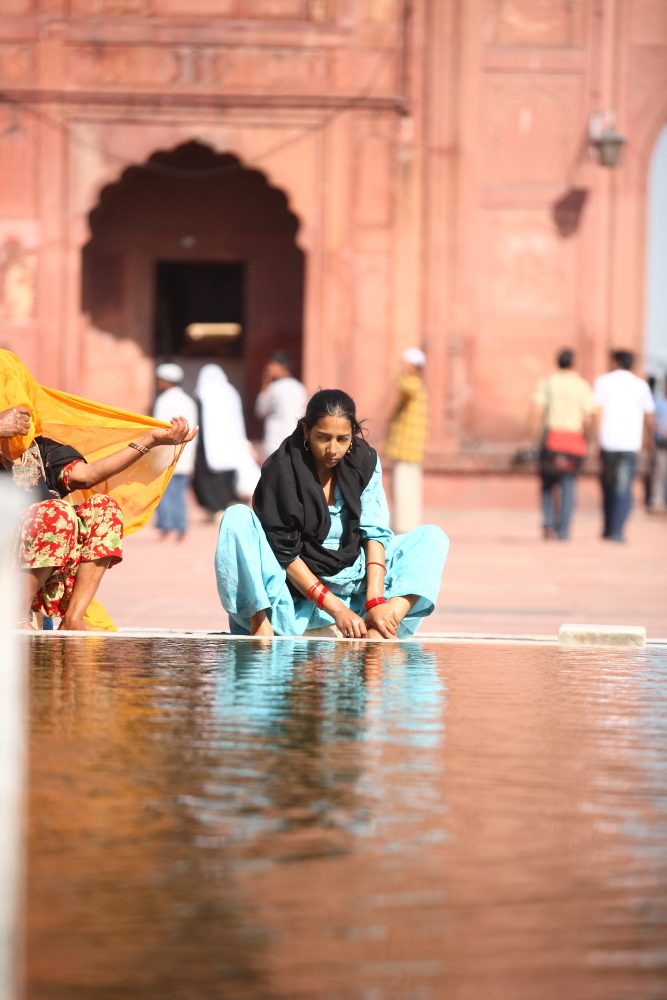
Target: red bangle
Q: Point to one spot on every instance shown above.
(374, 601)
(320, 597)
(371, 563)
(312, 590)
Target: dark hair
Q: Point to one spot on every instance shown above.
(283, 358)
(625, 359)
(565, 358)
(331, 403)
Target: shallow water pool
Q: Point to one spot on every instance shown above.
(276, 821)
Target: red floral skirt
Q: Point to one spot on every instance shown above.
(54, 534)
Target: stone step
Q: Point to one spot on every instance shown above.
(602, 635)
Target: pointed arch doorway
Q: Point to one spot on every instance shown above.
(193, 257)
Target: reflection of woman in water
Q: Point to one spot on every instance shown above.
(318, 553)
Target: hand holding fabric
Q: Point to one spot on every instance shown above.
(14, 422)
(180, 433)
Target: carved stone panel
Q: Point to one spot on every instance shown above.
(113, 8)
(18, 270)
(16, 64)
(292, 9)
(124, 65)
(374, 177)
(648, 24)
(267, 70)
(538, 22)
(246, 69)
(378, 11)
(529, 269)
(531, 127)
(8, 7)
(196, 8)
(18, 163)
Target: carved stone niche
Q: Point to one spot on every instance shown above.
(196, 8)
(538, 22)
(124, 8)
(287, 9)
(16, 63)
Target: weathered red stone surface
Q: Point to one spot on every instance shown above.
(422, 146)
(500, 576)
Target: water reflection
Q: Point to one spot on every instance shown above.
(298, 820)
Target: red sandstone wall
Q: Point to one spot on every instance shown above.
(422, 147)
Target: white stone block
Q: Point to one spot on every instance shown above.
(633, 636)
(12, 747)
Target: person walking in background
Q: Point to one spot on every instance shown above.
(562, 418)
(406, 442)
(626, 411)
(225, 469)
(657, 500)
(172, 515)
(281, 403)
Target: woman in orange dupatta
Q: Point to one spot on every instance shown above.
(93, 475)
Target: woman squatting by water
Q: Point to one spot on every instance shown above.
(316, 556)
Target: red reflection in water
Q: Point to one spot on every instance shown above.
(247, 820)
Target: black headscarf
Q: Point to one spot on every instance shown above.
(290, 503)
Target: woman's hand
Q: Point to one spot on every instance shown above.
(14, 422)
(180, 433)
(351, 625)
(382, 619)
(84, 477)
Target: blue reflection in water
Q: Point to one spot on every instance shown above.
(298, 709)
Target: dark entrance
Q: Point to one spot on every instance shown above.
(199, 295)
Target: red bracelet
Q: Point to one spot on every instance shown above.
(373, 603)
(377, 564)
(320, 597)
(312, 590)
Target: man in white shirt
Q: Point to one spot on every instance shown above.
(281, 403)
(174, 402)
(626, 409)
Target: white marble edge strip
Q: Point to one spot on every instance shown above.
(13, 730)
(449, 637)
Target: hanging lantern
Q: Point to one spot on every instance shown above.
(610, 147)
(606, 141)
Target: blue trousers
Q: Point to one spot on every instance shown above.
(251, 579)
(618, 473)
(558, 500)
(172, 512)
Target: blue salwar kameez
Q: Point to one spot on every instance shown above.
(250, 578)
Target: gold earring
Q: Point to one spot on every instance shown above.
(305, 443)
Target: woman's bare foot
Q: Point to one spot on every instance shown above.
(372, 633)
(260, 625)
(72, 625)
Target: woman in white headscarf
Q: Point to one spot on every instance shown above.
(225, 468)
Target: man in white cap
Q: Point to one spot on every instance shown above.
(282, 401)
(174, 402)
(406, 442)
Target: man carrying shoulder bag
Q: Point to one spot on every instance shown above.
(563, 416)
